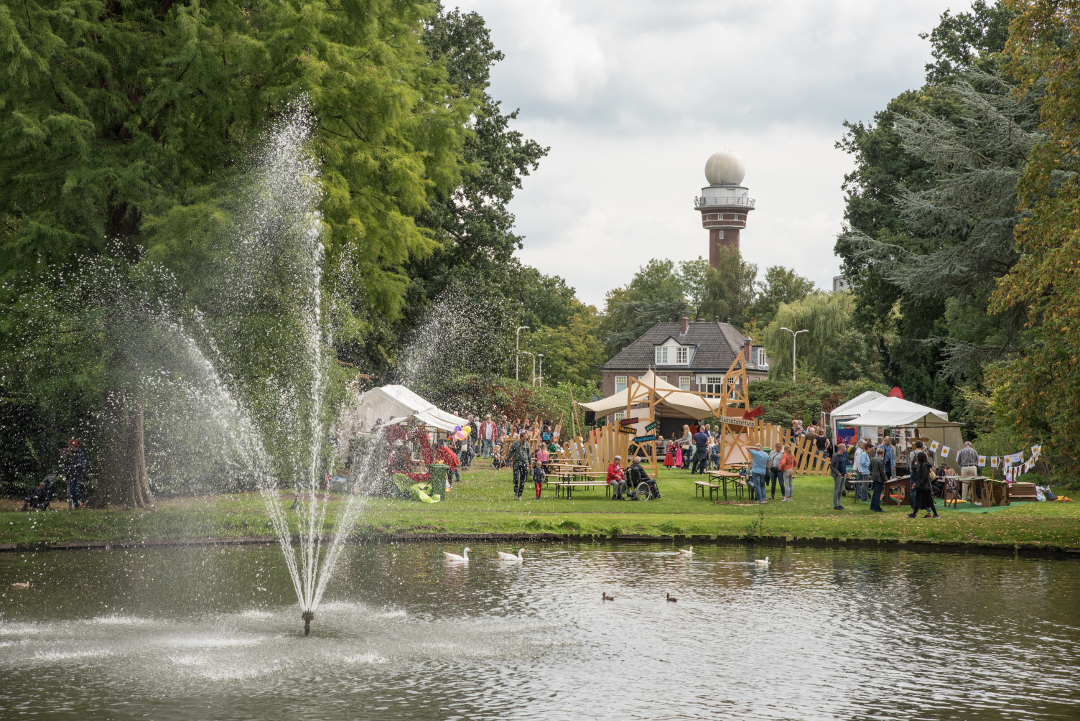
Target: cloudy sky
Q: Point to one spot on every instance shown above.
(634, 96)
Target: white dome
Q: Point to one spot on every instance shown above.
(725, 168)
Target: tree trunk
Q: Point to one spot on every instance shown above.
(123, 480)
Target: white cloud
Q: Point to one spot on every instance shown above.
(633, 97)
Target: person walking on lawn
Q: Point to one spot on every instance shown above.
(968, 460)
(616, 479)
(758, 472)
(878, 476)
(787, 467)
(686, 442)
(924, 496)
(488, 436)
(519, 460)
(839, 473)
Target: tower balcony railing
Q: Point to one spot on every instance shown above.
(706, 202)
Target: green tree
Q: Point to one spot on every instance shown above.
(729, 290)
(1039, 394)
(572, 351)
(833, 348)
(781, 285)
(655, 293)
(122, 127)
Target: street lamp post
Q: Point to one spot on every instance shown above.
(541, 356)
(794, 335)
(533, 365)
(517, 349)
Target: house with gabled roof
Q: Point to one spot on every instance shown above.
(691, 355)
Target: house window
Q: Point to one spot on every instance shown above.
(684, 383)
(682, 355)
(661, 355)
(720, 234)
(619, 415)
(762, 359)
(620, 383)
(714, 384)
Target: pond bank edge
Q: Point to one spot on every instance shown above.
(374, 537)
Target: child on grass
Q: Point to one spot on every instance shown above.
(538, 477)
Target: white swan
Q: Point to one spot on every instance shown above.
(686, 551)
(454, 558)
(764, 563)
(511, 557)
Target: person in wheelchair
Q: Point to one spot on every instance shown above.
(42, 495)
(636, 477)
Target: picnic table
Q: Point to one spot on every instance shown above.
(902, 486)
(737, 480)
(589, 479)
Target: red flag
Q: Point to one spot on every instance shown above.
(896, 393)
(754, 413)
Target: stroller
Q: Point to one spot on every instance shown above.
(42, 495)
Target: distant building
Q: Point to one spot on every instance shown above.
(693, 356)
(838, 283)
(723, 203)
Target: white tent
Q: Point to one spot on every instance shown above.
(898, 412)
(857, 405)
(396, 403)
(928, 422)
(668, 398)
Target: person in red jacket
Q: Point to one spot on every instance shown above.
(447, 456)
(615, 478)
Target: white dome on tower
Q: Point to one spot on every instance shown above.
(725, 168)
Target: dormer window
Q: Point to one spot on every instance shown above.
(672, 353)
(682, 355)
(661, 355)
(762, 359)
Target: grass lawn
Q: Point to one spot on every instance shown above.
(483, 503)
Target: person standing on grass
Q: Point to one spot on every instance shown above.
(685, 444)
(838, 468)
(616, 479)
(862, 470)
(888, 456)
(758, 472)
(519, 460)
(488, 434)
(924, 497)
(538, 477)
(74, 465)
(775, 472)
(787, 467)
(915, 451)
(878, 476)
(968, 460)
(701, 452)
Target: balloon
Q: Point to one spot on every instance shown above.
(467, 430)
(457, 429)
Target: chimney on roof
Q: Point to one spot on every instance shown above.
(700, 320)
(685, 324)
(748, 344)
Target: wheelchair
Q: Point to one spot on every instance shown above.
(637, 485)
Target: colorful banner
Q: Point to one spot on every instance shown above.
(993, 462)
(934, 446)
(945, 451)
(982, 461)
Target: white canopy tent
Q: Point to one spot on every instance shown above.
(397, 404)
(928, 422)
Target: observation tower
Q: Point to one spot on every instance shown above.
(723, 203)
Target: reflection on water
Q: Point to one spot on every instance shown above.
(820, 634)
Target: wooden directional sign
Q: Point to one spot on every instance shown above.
(628, 421)
(629, 430)
(731, 420)
(645, 439)
(652, 426)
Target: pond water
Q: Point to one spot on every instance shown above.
(214, 633)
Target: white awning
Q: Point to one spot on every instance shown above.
(395, 404)
(857, 405)
(667, 397)
(893, 412)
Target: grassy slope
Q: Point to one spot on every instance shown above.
(483, 503)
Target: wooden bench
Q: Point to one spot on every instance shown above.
(700, 486)
(1021, 492)
(569, 486)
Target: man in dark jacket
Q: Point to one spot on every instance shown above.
(878, 475)
(74, 470)
(701, 452)
(519, 460)
(839, 473)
